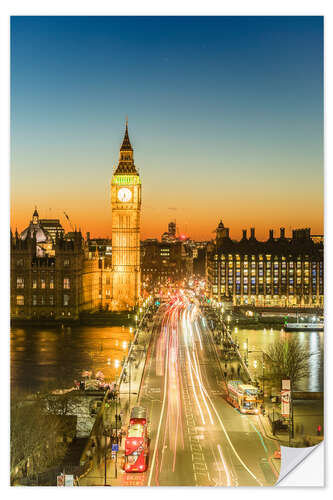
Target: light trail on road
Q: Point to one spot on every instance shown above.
(196, 437)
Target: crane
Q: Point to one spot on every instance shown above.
(69, 221)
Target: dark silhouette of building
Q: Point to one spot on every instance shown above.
(46, 279)
(163, 262)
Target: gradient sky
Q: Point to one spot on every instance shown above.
(225, 117)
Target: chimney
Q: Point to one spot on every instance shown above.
(227, 232)
(244, 234)
(252, 233)
(271, 234)
(282, 230)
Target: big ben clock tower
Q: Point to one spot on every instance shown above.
(126, 207)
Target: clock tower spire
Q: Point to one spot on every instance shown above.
(126, 210)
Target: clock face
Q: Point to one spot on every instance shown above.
(124, 194)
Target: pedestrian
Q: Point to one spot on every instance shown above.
(120, 438)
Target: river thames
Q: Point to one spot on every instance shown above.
(58, 355)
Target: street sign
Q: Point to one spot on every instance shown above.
(285, 398)
(285, 403)
(69, 480)
(115, 447)
(286, 384)
(61, 480)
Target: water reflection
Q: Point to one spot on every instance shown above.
(258, 340)
(59, 355)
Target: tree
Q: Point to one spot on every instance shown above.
(36, 437)
(288, 360)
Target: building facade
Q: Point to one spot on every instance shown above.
(164, 262)
(53, 227)
(126, 209)
(47, 284)
(277, 272)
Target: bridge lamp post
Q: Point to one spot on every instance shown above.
(106, 434)
(116, 364)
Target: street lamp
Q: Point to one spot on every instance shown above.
(255, 364)
(116, 364)
(246, 348)
(129, 381)
(106, 434)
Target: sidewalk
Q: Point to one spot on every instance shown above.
(307, 416)
(96, 474)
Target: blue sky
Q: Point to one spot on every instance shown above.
(225, 115)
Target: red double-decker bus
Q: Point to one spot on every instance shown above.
(137, 442)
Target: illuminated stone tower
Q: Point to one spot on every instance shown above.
(126, 207)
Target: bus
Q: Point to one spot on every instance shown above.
(137, 442)
(245, 397)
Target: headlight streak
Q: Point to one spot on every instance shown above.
(195, 323)
(224, 465)
(229, 440)
(193, 386)
(173, 421)
(193, 328)
(197, 373)
(161, 416)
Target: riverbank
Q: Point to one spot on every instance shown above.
(100, 318)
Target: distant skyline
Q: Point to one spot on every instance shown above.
(225, 118)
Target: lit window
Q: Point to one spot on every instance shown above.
(34, 300)
(66, 300)
(51, 299)
(19, 282)
(42, 283)
(51, 283)
(66, 283)
(20, 300)
(66, 262)
(34, 283)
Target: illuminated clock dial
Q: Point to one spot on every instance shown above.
(124, 194)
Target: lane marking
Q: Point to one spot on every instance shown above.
(226, 470)
(229, 440)
(161, 416)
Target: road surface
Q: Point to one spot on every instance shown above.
(197, 438)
